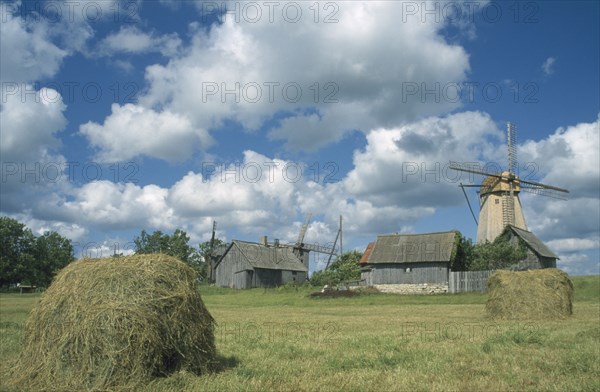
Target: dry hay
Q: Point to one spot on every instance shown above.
(534, 294)
(107, 324)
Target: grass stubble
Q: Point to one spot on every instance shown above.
(283, 340)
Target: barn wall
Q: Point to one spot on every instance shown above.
(293, 277)
(266, 278)
(242, 280)
(224, 273)
(231, 270)
(408, 273)
(548, 262)
(533, 261)
(303, 255)
(366, 277)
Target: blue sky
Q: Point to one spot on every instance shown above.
(123, 116)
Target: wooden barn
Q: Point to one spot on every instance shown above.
(408, 259)
(246, 265)
(538, 254)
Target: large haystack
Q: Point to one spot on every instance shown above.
(526, 295)
(116, 323)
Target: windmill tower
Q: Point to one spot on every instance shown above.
(499, 203)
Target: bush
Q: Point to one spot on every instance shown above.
(345, 268)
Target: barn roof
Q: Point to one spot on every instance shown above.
(365, 257)
(533, 242)
(412, 248)
(269, 257)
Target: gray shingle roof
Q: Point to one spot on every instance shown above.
(413, 248)
(270, 257)
(533, 242)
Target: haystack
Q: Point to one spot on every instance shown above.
(107, 324)
(534, 294)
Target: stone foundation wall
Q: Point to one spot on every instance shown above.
(421, 288)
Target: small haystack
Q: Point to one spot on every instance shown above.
(116, 323)
(534, 294)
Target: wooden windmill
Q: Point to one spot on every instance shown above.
(212, 258)
(499, 203)
(302, 248)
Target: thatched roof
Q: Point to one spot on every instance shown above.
(412, 248)
(268, 257)
(534, 243)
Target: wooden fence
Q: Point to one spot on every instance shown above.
(467, 281)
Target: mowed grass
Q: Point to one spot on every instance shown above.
(280, 339)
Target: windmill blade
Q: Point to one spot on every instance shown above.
(212, 238)
(467, 169)
(303, 229)
(508, 205)
(318, 248)
(536, 190)
(540, 185)
(511, 136)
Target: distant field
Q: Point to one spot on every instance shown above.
(279, 339)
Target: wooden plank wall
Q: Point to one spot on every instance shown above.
(468, 281)
(232, 271)
(407, 273)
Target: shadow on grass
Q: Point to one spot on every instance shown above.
(224, 363)
(183, 380)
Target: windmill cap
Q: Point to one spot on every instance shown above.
(493, 184)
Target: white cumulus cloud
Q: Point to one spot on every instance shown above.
(133, 130)
(132, 40)
(568, 158)
(408, 165)
(26, 52)
(324, 79)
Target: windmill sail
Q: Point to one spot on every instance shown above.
(508, 200)
(512, 148)
(499, 196)
(543, 191)
(303, 230)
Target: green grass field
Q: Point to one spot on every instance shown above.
(280, 339)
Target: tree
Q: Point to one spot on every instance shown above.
(345, 268)
(461, 251)
(496, 255)
(175, 245)
(52, 253)
(178, 247)
(30, 260)
(16, 252)
(156, 242)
